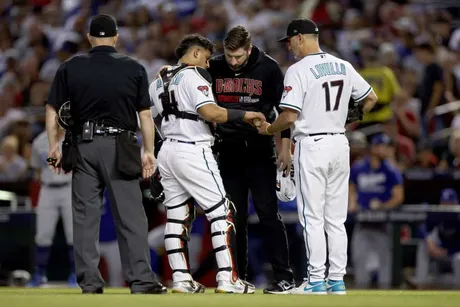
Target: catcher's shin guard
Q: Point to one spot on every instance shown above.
(221, 217)
(177, 234)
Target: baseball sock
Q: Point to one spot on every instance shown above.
(42, 254)
(71, 258)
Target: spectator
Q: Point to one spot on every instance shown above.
(430, 90)
(12, 165)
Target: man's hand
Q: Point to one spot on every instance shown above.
(55, 157)
(250, 117)
(262, 129)
(285, 161)
(375, 204)
(148, 165)
(437, 252)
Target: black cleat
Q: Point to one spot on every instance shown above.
(280, 287)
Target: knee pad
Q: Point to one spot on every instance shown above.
(221, 217)
(177, 234)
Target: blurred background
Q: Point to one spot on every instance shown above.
(409, 51)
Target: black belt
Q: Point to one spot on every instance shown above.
(186, 142)
(55, 185)
(321, 133)
(100, 130)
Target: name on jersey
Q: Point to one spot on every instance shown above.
(372, 183)
(328, 69)
(239, 85)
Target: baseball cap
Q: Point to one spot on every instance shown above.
(449, 196)
(381, 139)
(103, 26)
(300, 26)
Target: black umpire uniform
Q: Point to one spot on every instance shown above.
(247, 160)
(105, 90)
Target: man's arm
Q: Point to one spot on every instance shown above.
(352, 198)
(52, 127)
(147, 129)
(397, 198)
(369, 102)
(211, 112)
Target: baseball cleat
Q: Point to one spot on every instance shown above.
(311, 288)
(187, 286)
(72, 281)
(239, 286)
(37, 280)
(280, 287)
(336, 287)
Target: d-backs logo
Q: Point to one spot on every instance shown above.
(204, 89)
(287, 89)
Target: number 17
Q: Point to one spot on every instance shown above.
(338, 83)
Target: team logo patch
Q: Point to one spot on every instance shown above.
(287, 89)
(204, 89)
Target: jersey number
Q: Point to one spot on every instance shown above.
(338, 83)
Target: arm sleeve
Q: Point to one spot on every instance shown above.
(59, 92)
(395, 178)
(143, 98)
(359, 87)
(279, 87)
(293, 92)
(200, 90)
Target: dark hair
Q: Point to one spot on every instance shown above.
(193, 40)
(425, 47)
(238, 37)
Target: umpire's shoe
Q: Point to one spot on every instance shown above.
(187, 286)
(157, 288)
(239, 286)
(280, 287)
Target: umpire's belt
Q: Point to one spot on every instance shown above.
(101, 130)
(55, 185)
(321, 133)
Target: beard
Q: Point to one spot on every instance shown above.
(239, 67)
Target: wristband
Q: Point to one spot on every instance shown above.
(234, 115)
(266, 130)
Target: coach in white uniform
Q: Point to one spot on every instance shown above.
(183, 96)
(317, 90)
(55, 200)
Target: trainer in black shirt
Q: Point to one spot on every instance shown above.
(106, 90)
(245, 78)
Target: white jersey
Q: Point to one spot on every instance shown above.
(190, 90)
(319, 86)
(40, 150)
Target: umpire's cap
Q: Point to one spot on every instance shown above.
(300, 26)
(103, 26)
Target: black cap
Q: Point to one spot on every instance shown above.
(300, 26)
(103, 26)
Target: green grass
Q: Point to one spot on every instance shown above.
(12, 297)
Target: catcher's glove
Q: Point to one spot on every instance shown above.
(355, 111)
(156, 188)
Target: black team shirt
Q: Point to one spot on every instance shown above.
(257, 87)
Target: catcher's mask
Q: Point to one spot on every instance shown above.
(285, 185)
(64, 118)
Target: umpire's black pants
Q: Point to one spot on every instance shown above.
(251, 165)
(95, 170)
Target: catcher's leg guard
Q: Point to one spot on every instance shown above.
(223, 239)
(177, 234)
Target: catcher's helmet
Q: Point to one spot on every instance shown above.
(285, 185)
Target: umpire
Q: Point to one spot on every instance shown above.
(106, 90)
(245, 78)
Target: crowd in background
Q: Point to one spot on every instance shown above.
(408, 50)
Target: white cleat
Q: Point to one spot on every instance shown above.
(311, 288)
(239, 286)
(187, 286)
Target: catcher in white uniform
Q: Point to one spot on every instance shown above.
(316, 100)
(55, 200)
(182, 95)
